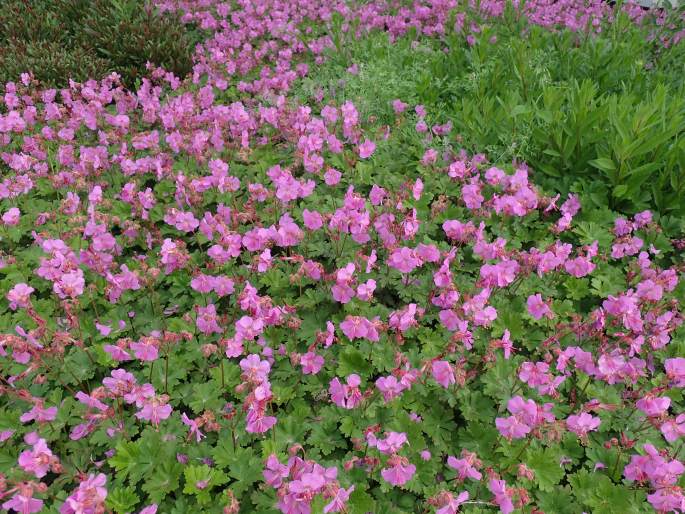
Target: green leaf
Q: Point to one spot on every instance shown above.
(545, 464)
(360, 502)
(122, 499)
(603, 163)
(199, 481)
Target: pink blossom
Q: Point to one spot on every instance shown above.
(389, 387)
(537, 308)
(366, 149)
(466, 467)
(582, 423)
(11, 217)
(399, 473)
(39, 413)
(19, 295)
(673, 429)
(311, 363)
(24, 503)
(312, 219)
(654, 406)
(404, 260)
(502, 495)
(154, 409)
(88, 498)
(339, 501)
(145, 350)
(443, 373)
(675, 370)
(452, 506)
(347, 396)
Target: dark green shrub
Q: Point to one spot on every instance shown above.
(129, 33)
(79, 39)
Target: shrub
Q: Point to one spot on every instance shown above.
(80, 39)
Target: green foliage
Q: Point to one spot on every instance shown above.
(606, 110)
(59, 40)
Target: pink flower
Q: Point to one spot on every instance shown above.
(39, 413)
(155, 409)
(365, 290)
(400, 472)
(466, 466)
(38, 459)
(404, 260)
(654, 406)
(18, 296)
(392, 443)
(537, 308)
(274, 472)
(673, 429)
(582, 423)
(675, 370)
(443, 373)
(339, 501)
(332, 177)
(312, 219)
(11, 217)
(389, 387)
(579, 267)
(70, 284)
(145, 351)
(207, 320)
(194, 428)
(88, 498)
(502, 495)
(399, 106)
(150, 509)
(311, 363)
(24, 503)
(346, 396)
(452, 506)
(358, 327)
(254, 369)
(512, 427)
(366, 149)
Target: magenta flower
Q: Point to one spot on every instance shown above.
(654, 406)
(404, 260)
(389, 387)
(392, 443)
(311, 363)
(366, 149)
(39, 414)
(155, 409)
(537, 308)
(24, 503)
(582, 423)
(452, 506)
(11, 217)
(502, 495)
(443, 373)
(38, 459)
(194, 429)
(254, 369)
(19, 295)
(145, 350)
(347, 396)
(339, 501)
(675, 370)
(466, 467)
(88, 498)
(400, 471)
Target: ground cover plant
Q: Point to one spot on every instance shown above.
(256, 288)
